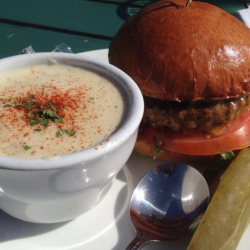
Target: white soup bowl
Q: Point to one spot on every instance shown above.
(49, 191)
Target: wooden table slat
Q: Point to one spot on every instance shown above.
(13, 39)
(88, 17)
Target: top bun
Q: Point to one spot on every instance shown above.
(178, 53)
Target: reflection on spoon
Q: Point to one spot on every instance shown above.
(167, 204)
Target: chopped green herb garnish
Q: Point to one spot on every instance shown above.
(38, 113)
(228, 155)
(58, 134)
(7, 106)
(26, 147)
(70, 133)
(158, 150)
(30, 115)
(32, 122)
(20, 106)
(91, 98)
(43, 122)
(51, 105)
(52, 115)
(30, 97)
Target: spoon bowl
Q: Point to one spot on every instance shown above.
(167, 204)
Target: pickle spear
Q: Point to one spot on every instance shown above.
(228, 213)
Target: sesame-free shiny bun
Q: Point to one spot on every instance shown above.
(178, 53)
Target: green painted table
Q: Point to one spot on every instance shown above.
(83, 24)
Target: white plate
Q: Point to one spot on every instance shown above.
(106, 227)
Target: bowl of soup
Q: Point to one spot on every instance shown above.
(68, 124)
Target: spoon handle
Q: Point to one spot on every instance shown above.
(138, 242)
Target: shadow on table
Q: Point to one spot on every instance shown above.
(131, 7)
(12, 228)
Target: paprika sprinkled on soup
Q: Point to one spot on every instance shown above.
(51, 110)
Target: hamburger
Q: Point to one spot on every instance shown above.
(192, 64)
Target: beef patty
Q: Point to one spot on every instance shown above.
(202, 116)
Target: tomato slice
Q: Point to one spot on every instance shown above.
(236, 136)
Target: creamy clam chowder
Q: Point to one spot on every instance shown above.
(52, 110)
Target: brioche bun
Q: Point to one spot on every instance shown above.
(175, 53)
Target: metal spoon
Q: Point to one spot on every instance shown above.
(167, 204)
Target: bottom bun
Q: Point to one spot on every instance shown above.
(143, 147)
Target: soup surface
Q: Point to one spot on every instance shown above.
(56, 109)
